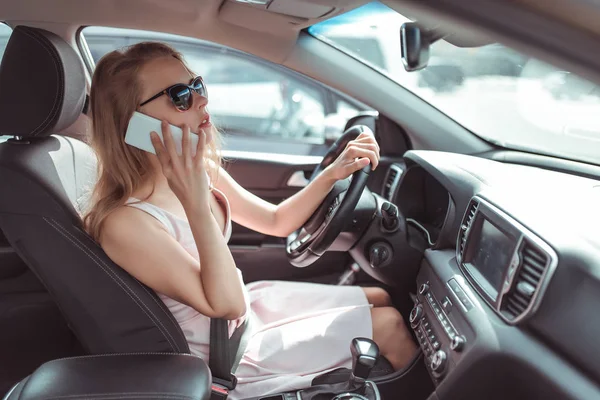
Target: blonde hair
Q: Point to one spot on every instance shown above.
(115, 94)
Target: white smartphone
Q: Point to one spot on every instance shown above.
(140, 126)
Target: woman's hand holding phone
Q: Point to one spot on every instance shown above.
(185, 174)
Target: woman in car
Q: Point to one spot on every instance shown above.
(166, 220)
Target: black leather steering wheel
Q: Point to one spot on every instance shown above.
(318, 233)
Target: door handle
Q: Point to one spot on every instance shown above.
(297, 179)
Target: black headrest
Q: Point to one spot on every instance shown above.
(42, 84)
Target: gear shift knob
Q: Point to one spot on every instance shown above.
(365, 353)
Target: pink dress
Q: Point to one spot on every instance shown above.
(299, 331)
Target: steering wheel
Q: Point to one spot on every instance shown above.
(313, 239)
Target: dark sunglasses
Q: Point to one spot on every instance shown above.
(181, 94)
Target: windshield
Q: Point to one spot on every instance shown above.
(505, 97)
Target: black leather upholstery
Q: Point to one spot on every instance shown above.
(141, 376)
(42, 84)
(44, 180)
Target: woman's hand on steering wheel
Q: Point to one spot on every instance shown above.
(357, 155)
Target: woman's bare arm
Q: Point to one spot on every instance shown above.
(281, 220)
(142, 246)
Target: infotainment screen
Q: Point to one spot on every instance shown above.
(491, 253)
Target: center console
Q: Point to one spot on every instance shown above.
(497, 262)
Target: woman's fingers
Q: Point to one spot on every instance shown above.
(366, 138)
(169, 142)
(159, 148)
(355, 165)
(185, 145)
(357, 151)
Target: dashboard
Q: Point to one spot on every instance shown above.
(509, 284)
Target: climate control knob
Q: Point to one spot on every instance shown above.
(438, 363)
(415, 316)
(457, 343)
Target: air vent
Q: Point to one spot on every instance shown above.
(391, 181)
(466, 225)
(526, 283)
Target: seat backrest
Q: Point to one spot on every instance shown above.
(44, 182)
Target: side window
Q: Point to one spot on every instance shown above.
(249, 98)
(5, 32)
(259, 106)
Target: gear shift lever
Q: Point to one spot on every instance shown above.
(364, 356)
(365, 353)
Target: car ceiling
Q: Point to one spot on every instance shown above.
(271, 31)
(253, 29)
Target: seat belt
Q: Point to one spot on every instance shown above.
(226, 354)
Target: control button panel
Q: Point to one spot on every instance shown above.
(441, 316)
(460, 294)
(426, 337)
(438, 335)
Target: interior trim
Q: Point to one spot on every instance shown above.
(273, 158)
(547, 162)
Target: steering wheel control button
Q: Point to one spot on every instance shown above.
(415, 315)
(423, 289)
(457, 343)
(438, 363)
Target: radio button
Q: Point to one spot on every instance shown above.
(454, 285)
(447, 304)
(436, 345)
(460, 294)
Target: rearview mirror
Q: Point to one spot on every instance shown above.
(415, 42)
(414, 45)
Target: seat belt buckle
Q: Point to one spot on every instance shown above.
(229, 384)
(218, 392)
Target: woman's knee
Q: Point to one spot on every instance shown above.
(388, 324)
(392, 336)
(377, 296)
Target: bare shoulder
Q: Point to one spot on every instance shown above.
(128, 224)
